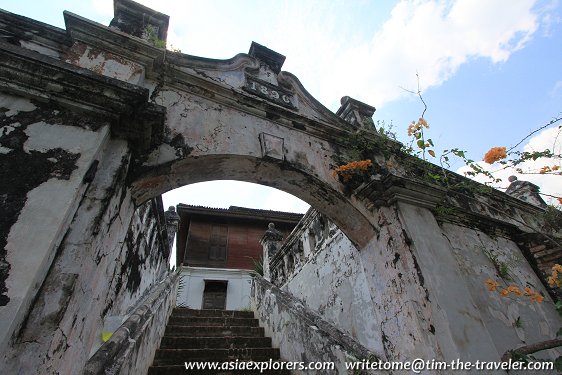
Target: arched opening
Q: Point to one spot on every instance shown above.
(350, 216)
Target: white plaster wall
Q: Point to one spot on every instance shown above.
(48, 210)
(192, 284)
(333, 283)
(473, 250)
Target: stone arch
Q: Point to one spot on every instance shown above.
(265, 172)
(245, 120)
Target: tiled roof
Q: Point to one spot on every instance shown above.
(240, 212)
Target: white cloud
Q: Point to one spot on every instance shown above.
(223, 194)
(556, 89)
(329, 52)
(103, 7)
(550, 139)
(434, 39)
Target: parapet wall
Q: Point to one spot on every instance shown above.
(371, 294)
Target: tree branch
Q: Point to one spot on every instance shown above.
(532, 348)
(554, 121)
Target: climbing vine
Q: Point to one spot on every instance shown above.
(150, 34)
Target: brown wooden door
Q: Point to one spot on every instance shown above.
(214, 295)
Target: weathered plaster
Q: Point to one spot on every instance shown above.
(476, 253)
(105, 63)
(321, 255)
(301, 334)
(55, 159)
(452, 315)
(94, 274)
(458, 324)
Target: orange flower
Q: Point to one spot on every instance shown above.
(556, 167)
(414, 127)
(559, 200)
(491, 285)
(504, 292)
(515, 290)
(545, 169)
(345, 170)
(495, 154)
(528, 291)
(536, 297)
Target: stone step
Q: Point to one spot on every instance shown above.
(213, 331)
(180, 369)
(179, 356)
(223, 342)
(181, 311)
(214, 336)
(212, 321)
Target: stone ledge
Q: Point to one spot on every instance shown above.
(114, 41)
(16, 28)
(111, 356)
(29, 74)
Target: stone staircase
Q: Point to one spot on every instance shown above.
(213, 336)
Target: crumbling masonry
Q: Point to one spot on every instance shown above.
(97, 121)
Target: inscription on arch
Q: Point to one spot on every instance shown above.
(270, 92)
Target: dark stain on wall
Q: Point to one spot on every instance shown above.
(21, 172)
(118, 183)
(141, 247)
(182, 148)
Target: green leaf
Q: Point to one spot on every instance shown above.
(558, 364)
(417, 135)
(421, 144)
(434, 177)
(431, 152)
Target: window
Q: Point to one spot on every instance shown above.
(217, 242)
(206, 244)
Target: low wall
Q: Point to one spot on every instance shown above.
(131, 348)
(320, 255)
(301, 334)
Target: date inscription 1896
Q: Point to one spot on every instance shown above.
(270, 92)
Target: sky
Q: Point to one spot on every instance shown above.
(490, 71)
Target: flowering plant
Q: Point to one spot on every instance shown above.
(347, 171)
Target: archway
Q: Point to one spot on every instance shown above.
(113, 121)
(264, 172)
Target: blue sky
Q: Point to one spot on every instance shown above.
(490, 70)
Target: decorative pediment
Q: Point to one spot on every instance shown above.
(258, 76)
